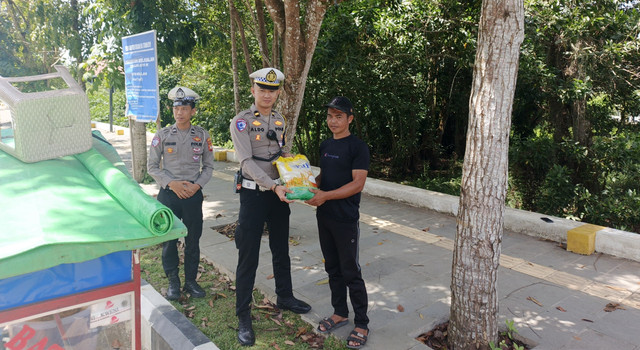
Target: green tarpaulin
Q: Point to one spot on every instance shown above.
(74, 209)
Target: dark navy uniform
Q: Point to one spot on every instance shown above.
(182, 155)
(258, 204)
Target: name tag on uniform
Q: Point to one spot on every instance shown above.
(249, 184)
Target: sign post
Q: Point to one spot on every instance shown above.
(141, 76)
(143, 98)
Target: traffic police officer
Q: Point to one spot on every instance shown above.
(181, 162)
(258, 135)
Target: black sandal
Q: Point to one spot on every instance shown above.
(329, 325)
(358, 338)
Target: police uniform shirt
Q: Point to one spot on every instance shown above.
(185, 156)
(249, 134)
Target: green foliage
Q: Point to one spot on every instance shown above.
(529, 162)
(447, 181)
(509, 333)
(598, 184)
(577, 53)
(557, 192)
(99, 105)
(406, 68)
(215, 108)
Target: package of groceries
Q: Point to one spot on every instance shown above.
(295, 173)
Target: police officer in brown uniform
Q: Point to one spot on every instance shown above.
(181, 162)
(258, 135)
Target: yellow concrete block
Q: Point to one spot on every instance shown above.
(120, 132)
(220, 156)
(582, 239)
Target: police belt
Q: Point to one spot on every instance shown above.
(270, 159)
(252, 185)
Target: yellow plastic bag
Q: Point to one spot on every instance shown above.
(295, 173)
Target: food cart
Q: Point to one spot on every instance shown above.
(71, 227)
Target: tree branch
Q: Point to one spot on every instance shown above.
(262, 34)
(245, 46)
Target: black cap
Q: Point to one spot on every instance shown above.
(342, 103)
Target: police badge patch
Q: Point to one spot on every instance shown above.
(271, 76)
(156, 141)
(241, 124)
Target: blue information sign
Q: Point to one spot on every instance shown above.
(141, 76)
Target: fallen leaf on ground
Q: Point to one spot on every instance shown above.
(561, 309)
(301, 331)
(612, 307)
(587, 320)
(534, 300)
(270, 277)
(324, 281)
(421, 317)
(576, 337)
(426, 229)
(289, 342)
(616, 288)
(400, 308)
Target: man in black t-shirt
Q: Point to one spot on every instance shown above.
(344, 164)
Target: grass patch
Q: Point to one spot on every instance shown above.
(215, 315)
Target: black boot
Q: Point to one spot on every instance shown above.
(173, 292)
(291, 303)
(246, 337)
(193, 288)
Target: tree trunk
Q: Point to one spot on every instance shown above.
(234, 60)
(245, 45)
(474, 302)
(138, 134)
(581, 126)
(557, 109)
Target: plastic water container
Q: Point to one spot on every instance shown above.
(39, 125)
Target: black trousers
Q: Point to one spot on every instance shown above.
(256, 208)
(339, 242)
(190, 212)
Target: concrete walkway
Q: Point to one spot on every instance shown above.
(556, 298)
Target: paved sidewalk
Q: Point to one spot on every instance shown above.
(556, 298)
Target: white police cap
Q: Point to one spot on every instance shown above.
(269, 78)
(183, 96)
